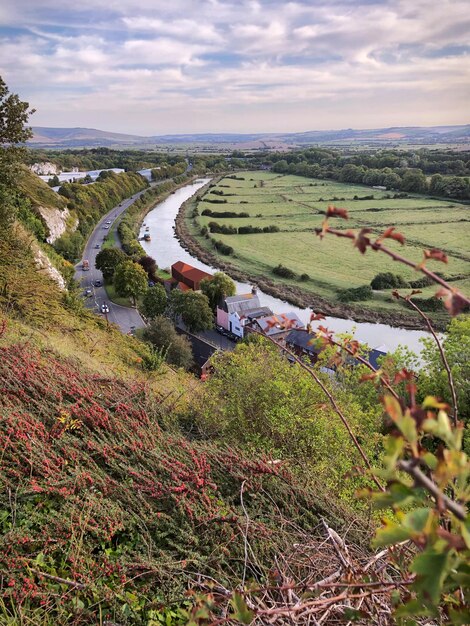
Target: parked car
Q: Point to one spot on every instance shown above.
(97, 247)
(97, 283)
(108, 222)
(87, 293)
(106, 226)
(104, 308)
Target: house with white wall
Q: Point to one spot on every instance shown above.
(232, 313)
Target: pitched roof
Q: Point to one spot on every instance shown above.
(263, 311)
(301, 339)
(242, 303)
(190, 272)
(273, 324)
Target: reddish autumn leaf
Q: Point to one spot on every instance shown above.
(337, 359)
(362, 241)
(353, 346)
(370, 376)
(316, 317)
(454, 301)
(390, 233)
(333, 211)
(437, 255)
(403, 374)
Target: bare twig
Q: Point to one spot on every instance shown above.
(378, 246)
(441, 352)
(58, 579)
(245, 534)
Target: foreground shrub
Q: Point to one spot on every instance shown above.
(113, 511)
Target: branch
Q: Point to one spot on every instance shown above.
(421, 479)
(441, 351)
(58, 579)
(365, 362)
(378, 246)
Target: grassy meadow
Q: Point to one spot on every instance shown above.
(295, 205)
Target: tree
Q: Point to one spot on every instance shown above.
(162, 335)
(150, 266)
(130, 280)
(193, 308)
(14, 115)
(54, 181)
(108, 259)
(414, 180)
(218, 287)
(154, 302)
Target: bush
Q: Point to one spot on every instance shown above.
(284, 272)
(304, 278)
(214, 227)
(222, 247)
(387, 280)
(355, 294)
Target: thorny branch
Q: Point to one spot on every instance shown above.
(441, 351)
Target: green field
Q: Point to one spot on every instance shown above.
(295, 204)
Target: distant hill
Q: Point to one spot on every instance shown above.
(45, 137)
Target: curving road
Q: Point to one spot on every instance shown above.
(126, 318)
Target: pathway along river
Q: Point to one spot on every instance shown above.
(166, 250)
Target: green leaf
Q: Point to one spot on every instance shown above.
(414, 608)
(459, 618)
(418, 519)
(393, 408)
(407, 426)
(242, 612)
(398, 494)
(390, 534)
(431, 568)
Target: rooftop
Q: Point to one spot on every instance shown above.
(242, 303)
(190, 272)
(275, 324)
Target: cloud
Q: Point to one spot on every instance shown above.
(240, 63)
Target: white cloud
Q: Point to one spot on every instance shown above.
(225, 61)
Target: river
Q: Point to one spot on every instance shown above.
(166, 250)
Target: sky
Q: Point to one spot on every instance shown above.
(189, 66)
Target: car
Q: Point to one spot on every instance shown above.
(97, 283)
(104, 308)
(108, 222)
(87, 293)
(97, 247)
(106, 227)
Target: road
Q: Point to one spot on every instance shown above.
(126, 318)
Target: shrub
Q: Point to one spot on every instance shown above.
(304, 278)
(284, 272)
(387, 280)
(355, 294)
(222, 247)
(214, 227)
